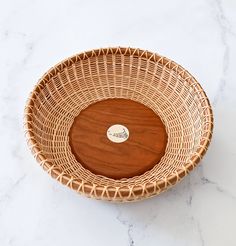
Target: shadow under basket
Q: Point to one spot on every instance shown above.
(118, 124)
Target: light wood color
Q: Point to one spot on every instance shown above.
(148, 78)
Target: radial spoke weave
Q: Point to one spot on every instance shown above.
(155, 81)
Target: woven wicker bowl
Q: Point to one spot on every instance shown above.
(153, 80)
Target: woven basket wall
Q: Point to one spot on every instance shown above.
(155, 81)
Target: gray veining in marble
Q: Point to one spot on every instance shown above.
(35, 209)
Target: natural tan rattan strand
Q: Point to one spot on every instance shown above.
(153, 80)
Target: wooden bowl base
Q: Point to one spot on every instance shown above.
(133, 146)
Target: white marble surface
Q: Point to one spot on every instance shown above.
(36, 34)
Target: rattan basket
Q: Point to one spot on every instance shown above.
(145, 77)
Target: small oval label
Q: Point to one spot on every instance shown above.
(118, 133)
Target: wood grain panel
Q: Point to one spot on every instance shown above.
(140, 152)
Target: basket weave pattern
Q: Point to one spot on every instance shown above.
(153, 80)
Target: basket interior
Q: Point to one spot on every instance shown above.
(73, 86)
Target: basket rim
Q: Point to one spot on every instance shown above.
(87, 188)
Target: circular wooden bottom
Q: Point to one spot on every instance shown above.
(137, 150)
